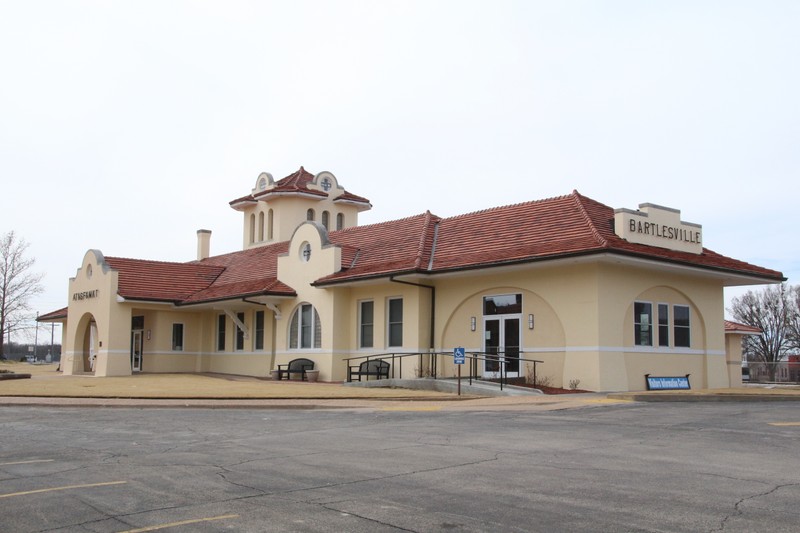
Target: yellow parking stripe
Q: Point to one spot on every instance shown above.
(784, 423)
(29, 462)
(68, 487)
(181, 523)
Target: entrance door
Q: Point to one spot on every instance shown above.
(501, 344)
(137, 343)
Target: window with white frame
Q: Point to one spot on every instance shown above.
(221, 333)
(258, 343)
(366, 321)
(643, 324)
(239, 333)
(305, 329)
(682, 326)
(177, 337)
(663, 324)
(395, 322)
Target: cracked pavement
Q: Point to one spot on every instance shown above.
(601, 467)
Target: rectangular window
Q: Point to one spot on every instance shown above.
(396, 322)
(366, 324)
(504, 304)
(663, 325)
(643, 323)
(177, 337)
(305, 326)
(240, 333)
(221, 333)
(259, 331)
(682, 326)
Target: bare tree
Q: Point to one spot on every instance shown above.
(794, 318)
(17, 283)
(772, 311)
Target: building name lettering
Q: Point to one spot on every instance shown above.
(665, 231)
(85, 295)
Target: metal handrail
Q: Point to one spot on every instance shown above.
(473, 357)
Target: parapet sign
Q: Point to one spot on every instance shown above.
(655, 225)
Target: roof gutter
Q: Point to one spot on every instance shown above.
(433, 303)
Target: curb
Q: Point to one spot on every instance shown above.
(666, 397)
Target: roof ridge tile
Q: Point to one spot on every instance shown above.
(578, 199)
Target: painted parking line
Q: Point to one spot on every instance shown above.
(181, 523)
(419, 408)
(28, 462)
(606, 400)
(67, 487)
(784, 424)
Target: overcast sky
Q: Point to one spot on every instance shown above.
(127, 126)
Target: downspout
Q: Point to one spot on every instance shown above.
(433, 304)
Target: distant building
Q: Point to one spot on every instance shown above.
(601, 296)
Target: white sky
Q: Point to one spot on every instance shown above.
(127, 126)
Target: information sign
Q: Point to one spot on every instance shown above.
(459, 355)
(667, 382)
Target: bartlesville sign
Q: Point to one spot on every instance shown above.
(655, 225)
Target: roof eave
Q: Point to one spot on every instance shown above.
(741, 278)
(237, 298)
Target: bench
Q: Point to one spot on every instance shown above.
(295, 366)
(373, 367)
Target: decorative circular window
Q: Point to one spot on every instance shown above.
(305, 252)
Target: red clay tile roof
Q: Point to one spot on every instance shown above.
(565, 226)
(350, 197)
(546, 229)
(296, 183)
(736, 327)
(236, 275)
(161, 281)
(53, 316)
(386, 248)
(246, 273)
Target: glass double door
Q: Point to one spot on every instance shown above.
(501, 345)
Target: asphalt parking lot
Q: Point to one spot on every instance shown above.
(606, 467)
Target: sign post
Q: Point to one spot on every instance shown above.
(459, 357)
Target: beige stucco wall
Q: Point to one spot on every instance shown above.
(583, 321)
(733, 350)
(288, 213)
(113, 321)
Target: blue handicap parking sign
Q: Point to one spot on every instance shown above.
(459, 355)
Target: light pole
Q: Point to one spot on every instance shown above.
(36, 340)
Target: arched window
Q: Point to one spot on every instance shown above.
(269, 225)
(305, 329)
(261, 226)
(252, 227)
(310, 214)
(326, 219)
(340, 221)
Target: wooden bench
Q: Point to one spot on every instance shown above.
(295, 366)
(373, 367)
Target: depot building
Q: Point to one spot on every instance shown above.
(601, 296)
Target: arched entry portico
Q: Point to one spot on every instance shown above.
(86, 345)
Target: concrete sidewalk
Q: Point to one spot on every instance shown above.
(50, 388)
